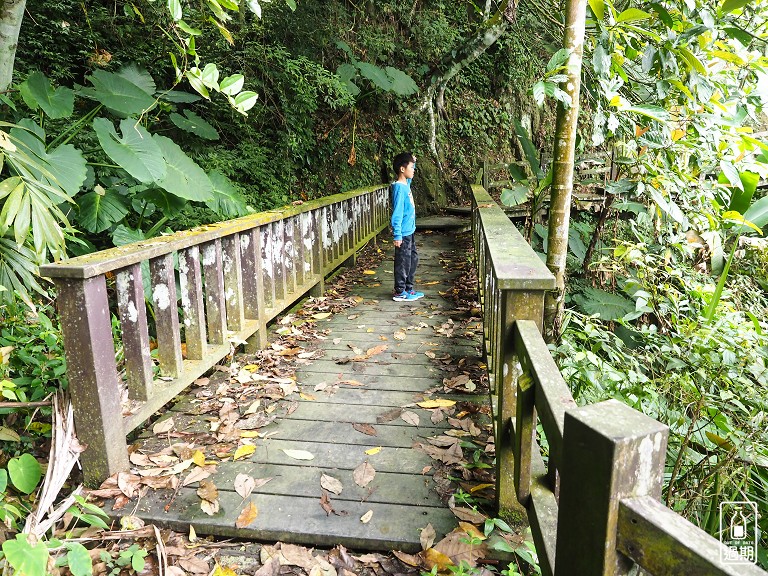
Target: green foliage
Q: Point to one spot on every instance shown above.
(25, 473)
(131, 558)
(388, 79)
(25, 558)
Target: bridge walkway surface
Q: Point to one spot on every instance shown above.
(324, 437)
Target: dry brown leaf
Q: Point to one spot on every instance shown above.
(208, 490)
(248, 515)
(128, 484)
(163, 427)
(325, 503)
(244, 485)
(410, 559)
(453, 455)
(363, 474)
(270, 568)
(375, 350)
(293, 555)
(399, 335)
(458, 547)
(427, 537)
(389, 415)
(365, 429)
(410, 417)
(209, 508)
(194, 565)
(351, 382)
(196, 475)
(331, 484)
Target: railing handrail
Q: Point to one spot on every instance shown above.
(112, 259)
(605, 512)
(207, 286)
(515, 265)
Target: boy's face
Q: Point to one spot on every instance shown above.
(409, 170)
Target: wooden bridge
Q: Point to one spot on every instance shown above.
(593, 509)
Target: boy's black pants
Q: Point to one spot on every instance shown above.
(406, 260)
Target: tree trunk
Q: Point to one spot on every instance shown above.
(562, 175)
(452, 64)
(11, 14)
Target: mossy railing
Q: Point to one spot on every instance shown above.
(233, 278)
(594, 508)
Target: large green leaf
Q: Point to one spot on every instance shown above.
(607, 305)
(227, 201)
(136, 152)
(168, 204)
(63, 167)
(118, 94)
(402, 83)
(632, 15)
(375, 74)
(178, 97)
(742, 198)
(184, 178)
(731, 5)
(598, 8)
(98, 211)
(25, 473)
(529, 149)
(758, 213)
(123, 235)
(193, 123)
(26, 559)
(515, 195)
(139, 77)
(79, 560)
(38, 93)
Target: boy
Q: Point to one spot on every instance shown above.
(403, 228)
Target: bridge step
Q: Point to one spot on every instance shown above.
(402, 496)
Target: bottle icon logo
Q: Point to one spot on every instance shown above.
(738, 532)
(739, 525)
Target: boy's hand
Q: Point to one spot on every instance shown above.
(397, 243)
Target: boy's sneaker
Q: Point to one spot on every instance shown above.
(415, 295)
(404, 297)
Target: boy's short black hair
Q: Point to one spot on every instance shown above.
(401, 160)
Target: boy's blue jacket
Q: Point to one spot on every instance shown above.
(403, 210)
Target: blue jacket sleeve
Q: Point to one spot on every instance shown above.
(398, 205)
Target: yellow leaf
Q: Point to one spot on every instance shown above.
(243, 451)
(307, 396)
(198, 458)
(437, 403)
(480, 487)
(615, 101)
(432, 283)
(373, 451)
(677, 134)
(321, 315)
(249, 434)
(434, 558)
(222, 571)
(247, 516)
(369, 272)
(471, 530)
(251, 367)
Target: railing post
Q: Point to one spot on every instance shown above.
(515, 305)
(92, 373)
(610, 452)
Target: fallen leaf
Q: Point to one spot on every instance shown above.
(209, 507)
(460, 548)
(331, 484)
(321, 315)
(195, 476)
(351, 382)
(8, 435)
(375, 350)
(434, 558)
(336, 340)
(299, 454)
(163, 427)
(372, 451)
(365, 429)
(427, 537)
(389, 415)
(289, 351)
(432, 283)
(244, 485)
(436, 403)
(248, 515)
(243, 451)
(410, 559)
(208, 490)
(222, 571)
(369, 272)
(365, 518)
(307, 397)
(253, 408)
(198, 458)
(399, 335)
(410, 417)
(363, 474)
(325, 503)
(480, 487)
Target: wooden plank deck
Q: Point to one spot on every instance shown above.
(402, 495)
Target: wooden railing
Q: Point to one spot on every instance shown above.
(594, 508)
(233, 278)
